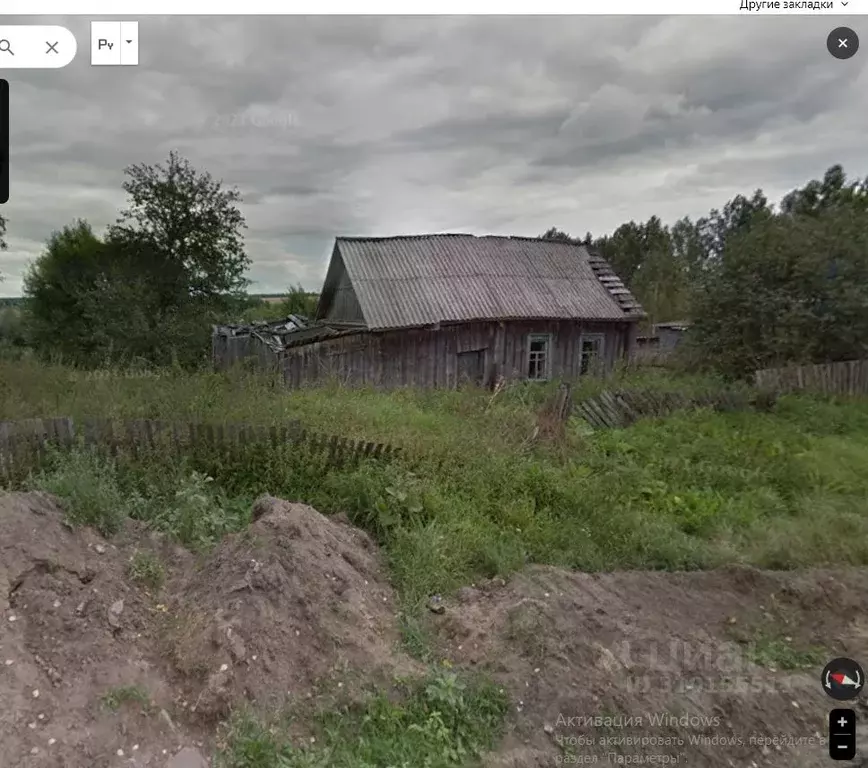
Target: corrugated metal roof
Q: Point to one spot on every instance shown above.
(428, 279)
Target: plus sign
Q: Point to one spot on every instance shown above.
(842, 722)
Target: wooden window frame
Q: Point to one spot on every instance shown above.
(546, 356)
(601, 351)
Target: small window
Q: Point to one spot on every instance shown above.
(471, 366)
(591, 353)
(538, 349)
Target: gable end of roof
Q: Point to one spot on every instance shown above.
(422, 280)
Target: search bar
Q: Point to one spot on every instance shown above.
(36, 47)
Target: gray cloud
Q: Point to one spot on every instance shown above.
(382, 126)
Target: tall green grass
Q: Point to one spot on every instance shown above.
(694, 490)
(441, 422)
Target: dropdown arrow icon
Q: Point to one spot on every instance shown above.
(129, 41)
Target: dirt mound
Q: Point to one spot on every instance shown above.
(102, 668)
(716, 669)
(98, 669)
(293, 606)
(78, 686)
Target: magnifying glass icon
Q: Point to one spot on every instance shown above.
(5, 47)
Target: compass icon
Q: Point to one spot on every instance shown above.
(843, 679)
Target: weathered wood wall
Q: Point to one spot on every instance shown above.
(670, 338)
(847, 378)
(228, 351)
(430, 358)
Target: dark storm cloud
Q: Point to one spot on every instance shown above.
(382, 126)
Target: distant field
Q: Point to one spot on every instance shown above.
(275, 298)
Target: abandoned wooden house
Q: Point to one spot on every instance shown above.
(442, 310)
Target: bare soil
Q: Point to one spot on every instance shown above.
(291, 610)
(633, 648)
(98, 670)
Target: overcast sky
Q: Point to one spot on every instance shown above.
(384, 126)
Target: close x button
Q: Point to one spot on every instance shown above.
(842, 734)
(842, 43)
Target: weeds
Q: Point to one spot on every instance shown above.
(415, 637)
(115, 698)
(195, 514)
(103, 493)
(440, 722)
(146, 569)
(779, 653)
(88, 486)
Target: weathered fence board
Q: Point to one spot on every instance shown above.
(847, 379)
(620, 408)
(24, 444)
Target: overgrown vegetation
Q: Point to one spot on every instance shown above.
(102, 493)
(472, 497)
(439, 722)
(88, 486)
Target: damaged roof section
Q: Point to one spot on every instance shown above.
(290, 331)
(270, 332)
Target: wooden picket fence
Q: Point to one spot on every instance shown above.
(614, 409)
(25, 444)
(844, 379)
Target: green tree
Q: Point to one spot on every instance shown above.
(56, 285)
(653, 264)
(192, 228)
(553, 233)
(90, 302)
(790, 289)
(149, 291)
(688, 250)
(625, 250)
(12, 331)
(299, 302)
(832, 192)
(737, 217)
(659, 280)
